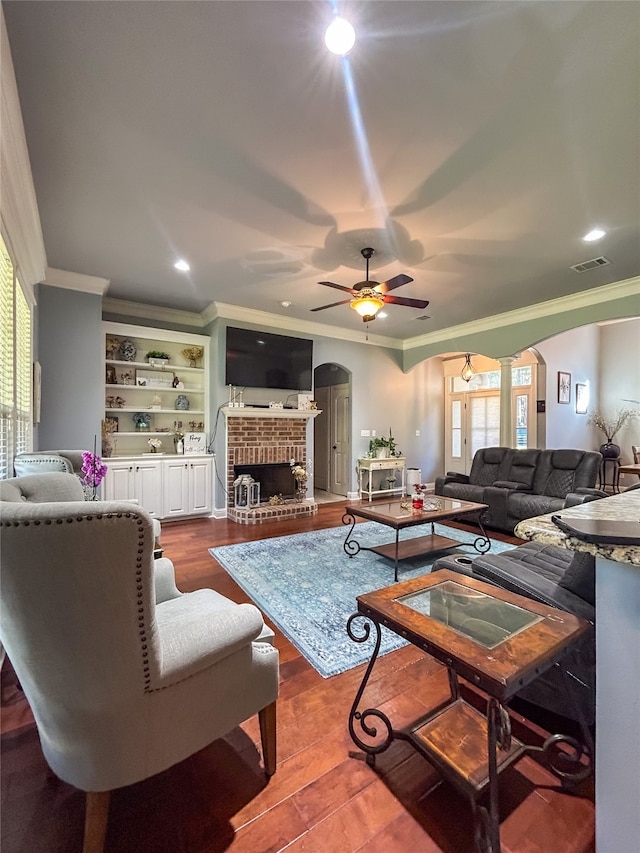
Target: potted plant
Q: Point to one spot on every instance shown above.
(381, 447)
(157, 358)
(610, 427)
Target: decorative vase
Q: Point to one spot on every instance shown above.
(180, 447)
(417, 503)
(609, 450)
(182, 402)
(107, 446)
(382, 453)
(128, 350)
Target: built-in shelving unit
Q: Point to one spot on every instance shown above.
(166, 483)
(136, 386)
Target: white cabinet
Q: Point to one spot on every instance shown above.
(187, 486)
(169, 487)
(135, 479)
(151, 398)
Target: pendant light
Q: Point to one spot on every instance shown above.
(467, 371)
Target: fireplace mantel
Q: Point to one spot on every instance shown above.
(260, 412)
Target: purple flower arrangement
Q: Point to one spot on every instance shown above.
(94, 471)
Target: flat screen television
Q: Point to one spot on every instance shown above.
(263, 360)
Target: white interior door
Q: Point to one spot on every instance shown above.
(339, 439)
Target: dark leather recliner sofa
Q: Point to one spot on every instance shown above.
(518, 484)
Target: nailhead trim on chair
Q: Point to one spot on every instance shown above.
(142, 628)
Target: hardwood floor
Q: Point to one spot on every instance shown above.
(321, 799)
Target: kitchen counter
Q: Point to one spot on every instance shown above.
(617, 665)
(621, 507)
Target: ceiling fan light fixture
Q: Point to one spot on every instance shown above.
(468, 371)
(367, 303)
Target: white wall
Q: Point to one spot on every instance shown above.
(576, 352)
(619, 384)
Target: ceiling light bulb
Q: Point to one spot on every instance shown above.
(181, 265)
(339, 36)
(594, 235)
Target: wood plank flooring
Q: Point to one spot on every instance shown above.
(322, 799)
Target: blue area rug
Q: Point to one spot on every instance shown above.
(307, 585)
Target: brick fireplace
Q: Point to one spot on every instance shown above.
(266, 436)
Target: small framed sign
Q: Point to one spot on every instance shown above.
(154, 378)
(195, 442)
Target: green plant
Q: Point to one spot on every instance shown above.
(379, 442)
(157, 354)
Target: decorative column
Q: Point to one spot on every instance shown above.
(506, 415)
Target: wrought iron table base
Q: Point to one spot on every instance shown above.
(565, 764)
(481, 544)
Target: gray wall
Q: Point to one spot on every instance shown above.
(70, 351)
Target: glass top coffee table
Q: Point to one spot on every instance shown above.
(399, 514)
(495, 640)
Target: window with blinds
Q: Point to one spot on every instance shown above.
(15, 366)
(485, 422)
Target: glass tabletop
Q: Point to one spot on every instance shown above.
(477, 615)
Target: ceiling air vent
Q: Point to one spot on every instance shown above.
(424, 317)
(591, 265)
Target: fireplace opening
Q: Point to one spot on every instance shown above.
(275, 478)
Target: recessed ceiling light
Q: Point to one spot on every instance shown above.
(285, 303)
(594, 235)
(339, 36)
(181, 265)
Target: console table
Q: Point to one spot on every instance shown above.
(369, 466)
(496, 640)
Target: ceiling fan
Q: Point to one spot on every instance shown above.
(368, 297)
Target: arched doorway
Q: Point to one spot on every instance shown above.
(332, 429)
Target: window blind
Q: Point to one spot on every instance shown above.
(15, 366)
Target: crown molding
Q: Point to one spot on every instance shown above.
(124, 308)
(561, 305)
(75, 281)
(225, 311)
(291, 324)
(18, 204)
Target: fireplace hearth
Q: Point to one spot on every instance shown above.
(275, 478)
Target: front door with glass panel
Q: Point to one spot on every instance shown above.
(472, 416)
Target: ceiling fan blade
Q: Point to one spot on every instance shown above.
(332, 305)
(337, 286)
(396, 281)
(409, 303)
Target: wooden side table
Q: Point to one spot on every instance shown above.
(612, 466)
(494, 639)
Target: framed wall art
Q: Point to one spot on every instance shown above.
(564, 387)
(582, 398)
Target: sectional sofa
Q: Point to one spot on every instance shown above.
(518, 484)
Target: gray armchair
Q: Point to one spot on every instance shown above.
(108, 665)
(41, 461)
